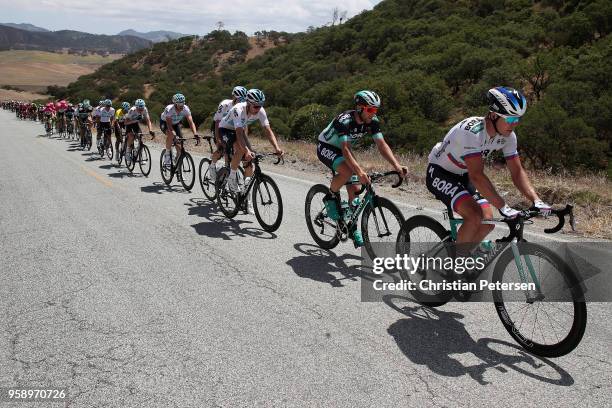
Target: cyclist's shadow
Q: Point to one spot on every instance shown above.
(219, 226)
(430, 336)
(324, 266)
(160, 188)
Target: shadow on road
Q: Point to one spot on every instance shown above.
(324, 266)
(160, 188)
(219, 226)
(430, 337)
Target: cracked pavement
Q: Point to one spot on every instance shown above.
(132, 294)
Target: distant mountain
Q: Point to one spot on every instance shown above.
(75, 41)
(155, 36)
(26, 26)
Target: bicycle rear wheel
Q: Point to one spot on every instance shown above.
(109, 151)
(207, 185)
(120, 153)
(226, 199)
(186, 171)
(167, 172)
(422, 236)
(267, 203)
(144, 161)
(550, 322)
(381, 222)
(323, 229)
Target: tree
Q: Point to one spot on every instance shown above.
(220, 25)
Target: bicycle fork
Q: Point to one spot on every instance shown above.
(523, 276)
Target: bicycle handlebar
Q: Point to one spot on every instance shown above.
(375, 176)
(561, 213)
(279, 160)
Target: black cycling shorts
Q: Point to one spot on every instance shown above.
(329, 155)
(164, 126)
(103, 126)
(132, 128)
(228, 138)
(451, 188)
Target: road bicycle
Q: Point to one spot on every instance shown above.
(181, 164)
(381, 220)
(206, 183)
(87, 137)
(106, 147)
(548, 321)
(266, 197)
(140, 153)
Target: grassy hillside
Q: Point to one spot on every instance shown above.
(431, 60)
(36, 70)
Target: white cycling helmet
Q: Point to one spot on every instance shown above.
(506, 101)
(256, 97)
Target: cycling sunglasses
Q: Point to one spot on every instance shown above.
(370, 109)
(512, 120)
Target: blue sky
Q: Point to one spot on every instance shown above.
(189, 17)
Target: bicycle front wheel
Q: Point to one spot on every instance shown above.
(119, 153)
(323, 229)
(167, 172)
(186, 170)
(380, 223)
(226, 199)
(144, 161)
(267, 203)
(548, 322)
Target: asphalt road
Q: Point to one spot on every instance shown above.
(132, 294)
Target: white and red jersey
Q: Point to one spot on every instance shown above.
(469, 138)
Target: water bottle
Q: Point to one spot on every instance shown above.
(355, 203)
(486, 246)
(346, 210)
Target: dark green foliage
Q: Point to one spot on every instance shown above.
(431, 61)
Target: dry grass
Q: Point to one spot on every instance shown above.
(6, 94)
(40, 69)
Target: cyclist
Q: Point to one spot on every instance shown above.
(239, 94)
(171, 119)
(70, 111)
(60, 108)
(120, 123)
(49, 114)
(84, 119)
(134, 115)
(334, 151)
(106, 117)
(455, 174)
(233, 132)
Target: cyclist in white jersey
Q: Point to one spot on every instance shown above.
(171, 119)
(106, 117)
(455, 174)
(134, 115)
(239, 94)
(233, 130)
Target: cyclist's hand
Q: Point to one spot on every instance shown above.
(197, 138)
(363, 178)
(509, 212)
(152, 133)
(279, 152)
(542, 207)
(249, 155)
(402, 170)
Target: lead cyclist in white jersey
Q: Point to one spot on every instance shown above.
(171, 119)
(239, 94)
(455, 174)
(233, 130)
